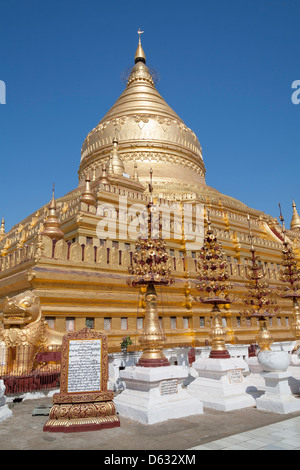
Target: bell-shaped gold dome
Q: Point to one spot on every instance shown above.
(149, 133)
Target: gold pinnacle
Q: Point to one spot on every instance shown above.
(140, 54)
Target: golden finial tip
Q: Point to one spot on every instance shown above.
(140, 54)
(139, 33)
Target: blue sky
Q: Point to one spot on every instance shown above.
(226, 68)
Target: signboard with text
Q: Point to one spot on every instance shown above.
(84, 363)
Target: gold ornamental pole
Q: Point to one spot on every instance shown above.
(290, 276)
(213, 282)
(152, 339)
(259, 299)
(149, 268)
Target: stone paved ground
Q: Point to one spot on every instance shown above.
(25, 432)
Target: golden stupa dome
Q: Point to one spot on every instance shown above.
(149, 134)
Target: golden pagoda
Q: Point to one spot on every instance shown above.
(80, 273)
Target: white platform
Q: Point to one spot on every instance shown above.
(155, 394)
(278, 397)
(221, 384)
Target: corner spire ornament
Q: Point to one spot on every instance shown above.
(2, 229)
(295, 222)
(51, 224)
(87, 195)
(135, 172)
(214, 283)
(103, 178)
(115, 160)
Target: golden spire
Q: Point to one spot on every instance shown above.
(140, 72)
(116, 166)
(250, 234)
(87, 195)
(140, 54)
(2, 229)
(135, 174)
(51, 224)
(103, 178)
(52, 205)
(295, 222)
(110, 170)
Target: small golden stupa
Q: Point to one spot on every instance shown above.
(51, 224)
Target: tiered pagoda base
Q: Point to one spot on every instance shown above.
(221, 384)
(155, 394)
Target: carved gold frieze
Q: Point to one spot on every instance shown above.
(161, 158)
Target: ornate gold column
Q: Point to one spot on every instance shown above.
(213, 282)
(152, 339)
(290, 276)
(259, 300)
(149, 269)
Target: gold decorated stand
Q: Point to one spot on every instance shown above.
(259, 300)
(290, 276)
(213, 282)
(152, 339)
(86, 404)
(150, 269)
